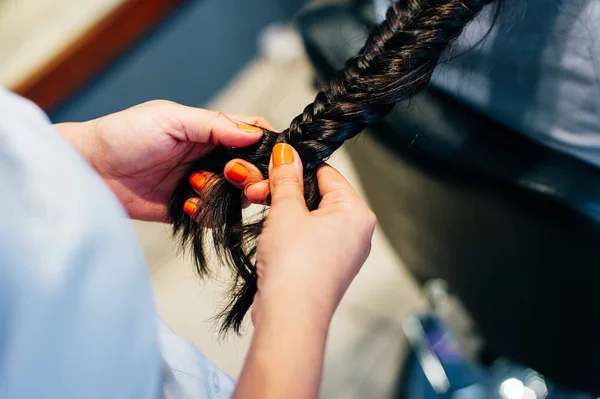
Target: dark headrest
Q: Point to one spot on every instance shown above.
(457, 136)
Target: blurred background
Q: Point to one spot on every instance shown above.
(82, 59)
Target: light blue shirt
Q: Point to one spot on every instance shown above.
(77, 315)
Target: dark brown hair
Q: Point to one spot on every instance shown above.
(396, 63)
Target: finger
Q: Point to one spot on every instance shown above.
(192, 207)
(253, 121)
(208, 127)
(334, 188)
(285, 177)
(257, 193)
(202, 182)
(199, 180)
(241, 173)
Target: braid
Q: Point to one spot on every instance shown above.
(396, 63)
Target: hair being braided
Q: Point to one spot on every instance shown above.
(396, 63)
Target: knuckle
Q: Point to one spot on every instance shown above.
(212, 120)
(262, 122)
(285, 201)
(219, 115)
(211, 117)
(336, 195)
(363, 216)
(160, 103)
(171, 124)
(286, 180)
(340, 195)
(370, 218)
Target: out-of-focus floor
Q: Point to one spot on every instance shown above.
(366, 345)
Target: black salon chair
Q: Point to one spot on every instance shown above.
(512, 226)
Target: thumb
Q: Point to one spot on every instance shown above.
(204, 126)
(285, 177)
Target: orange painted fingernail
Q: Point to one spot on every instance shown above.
(237, 172)
(249, 128)
(282, 154)
(191, 207)
(197, 180)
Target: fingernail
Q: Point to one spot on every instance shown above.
(249, 128)
(197, 180)
(190, 207)
(238, 173)
(282, 154)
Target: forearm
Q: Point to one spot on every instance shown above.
(286, 356)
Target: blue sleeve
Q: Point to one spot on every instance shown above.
(77, 317)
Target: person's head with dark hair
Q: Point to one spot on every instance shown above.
(396, 63)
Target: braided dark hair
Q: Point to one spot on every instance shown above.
(396, 63)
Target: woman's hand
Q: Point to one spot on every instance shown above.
(315, 252)
(310, 258)
(143, 152)
(305, 263)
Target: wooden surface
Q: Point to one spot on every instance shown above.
(51, 48)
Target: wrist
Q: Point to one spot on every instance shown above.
(286, 354)
(292, 307)
(78, 135)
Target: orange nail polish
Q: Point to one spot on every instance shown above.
(191, 207)
(238, 173)
(249, 128)
(282, 154)
(197, 180)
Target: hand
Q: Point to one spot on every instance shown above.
(143, 152)
(309, 258)
(305, 262)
